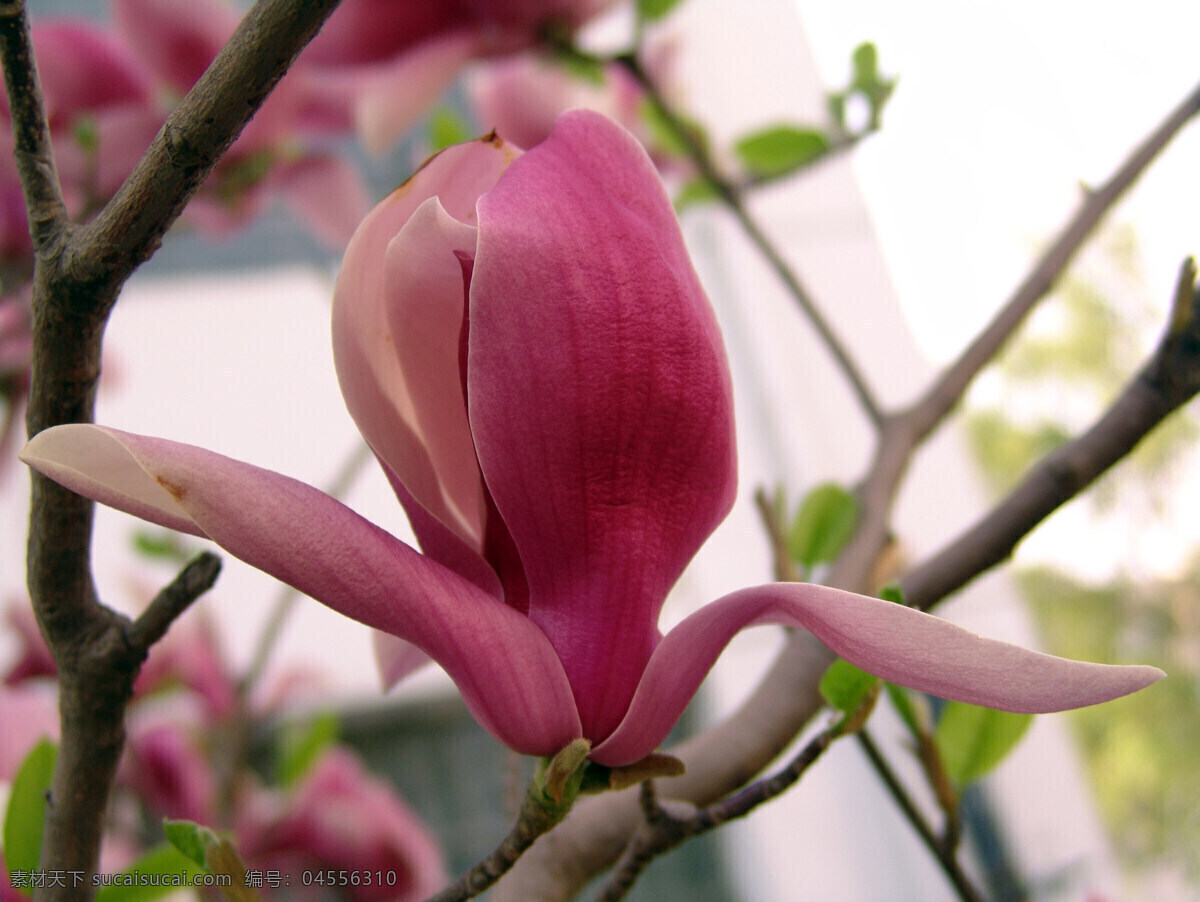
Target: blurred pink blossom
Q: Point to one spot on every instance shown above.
(343, 817)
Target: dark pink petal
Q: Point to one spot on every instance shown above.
(889, 640)
(407, 276)
(599, 399)
(367, 31)
(503, 665)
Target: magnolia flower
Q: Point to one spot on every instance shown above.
(524, 344)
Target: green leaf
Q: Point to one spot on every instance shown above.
(190, 839)
(161, 871)
(651, 10)
(27, 808)
(780, 149)
(823, 525)
(866, 65)
(696, 191)
(164, 545)
(845, 686)
(447, 127)
(302, 744)
(893, 592)
(973, 740)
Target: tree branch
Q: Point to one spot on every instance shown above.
(78, 272)
(31, 133)
(900, 433)
(943, 854)
(1169, 380)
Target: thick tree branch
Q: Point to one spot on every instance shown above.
(78, 272)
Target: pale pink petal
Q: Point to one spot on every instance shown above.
(29, 715)
(376, 382)
(399, 92)
(506, 670)
(599, 399)
(327, 192)
(893, 642)
(397, 659)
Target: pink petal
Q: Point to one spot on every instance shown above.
(397, 659)
(399, 92)
(85, 69)
(406, 414)
(503, 665)
(29, 715)
(599, 399)
(328, 193)
(177, 39)
(366, 31)
(893, 642)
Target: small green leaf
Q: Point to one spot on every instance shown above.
(973, 740)
(447, 127)
(27, 808)
(652, 10)
(823, 525)
(866, 65)
(191, 839)
(161, 871)
(696, 191)
(780, 149)
(893, 592)
(301, 745)
(164, 545)
(582, 67)
(845, 686)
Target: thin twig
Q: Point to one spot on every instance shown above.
(193, 581)
(950, 386)
(535, 818)
(32, 150)
(663, 828)
(942, 853)
(732, 199)
(781, 558)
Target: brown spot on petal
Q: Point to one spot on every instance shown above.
(177, 492)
